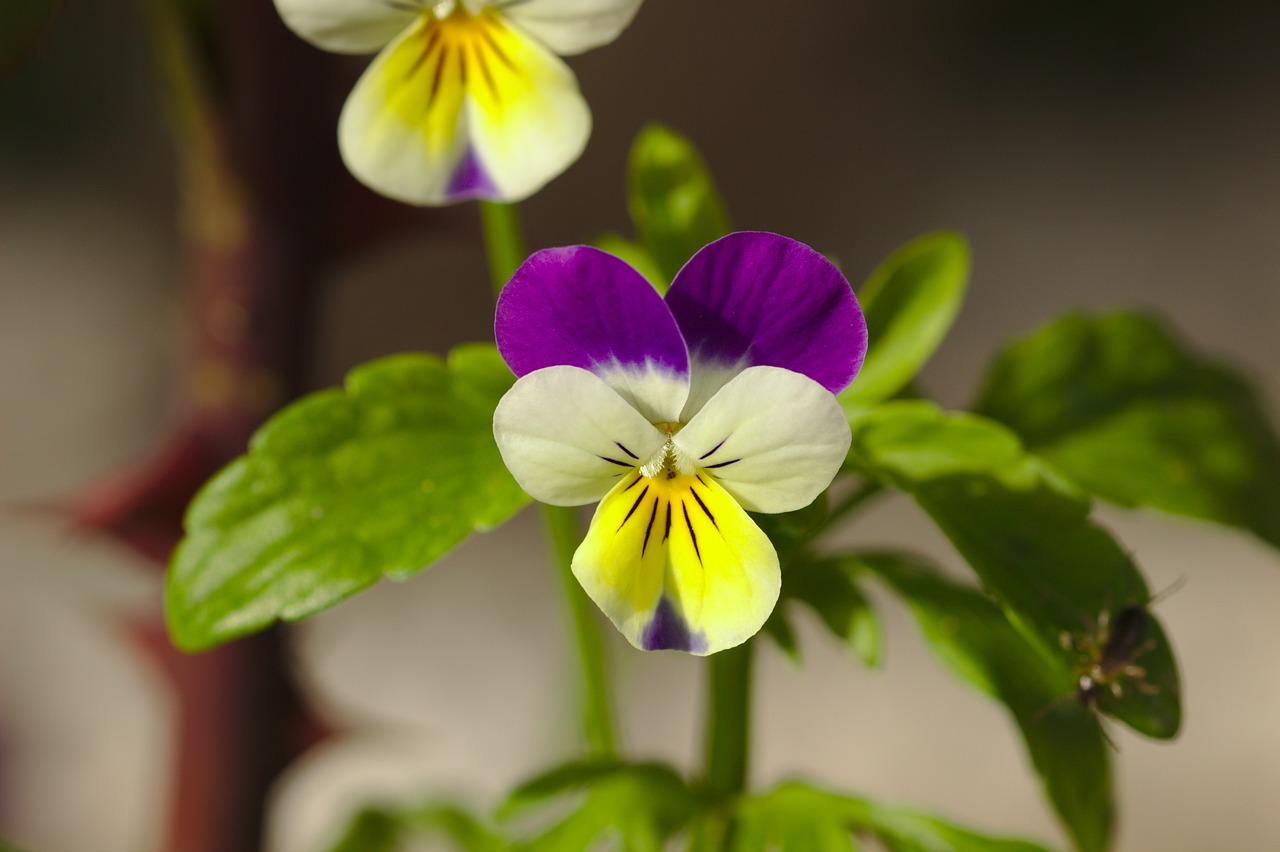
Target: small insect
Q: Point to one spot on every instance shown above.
(1108, 654)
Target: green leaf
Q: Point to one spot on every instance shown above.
(829, 589)
(637, 806)
(1126, 410)
(779, 629)
(371, 830)
(1027, 535)
(972, 637)
(795, 817)
(673, 200)
(636, 255)
(391, 830)
(342, 488)
(910, 302)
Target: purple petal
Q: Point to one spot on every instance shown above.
(760, 299)
(583, 307)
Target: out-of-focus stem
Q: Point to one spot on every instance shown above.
(728, 731)
(256, 188)
(503, 241)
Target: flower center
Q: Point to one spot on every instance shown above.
(669, 461)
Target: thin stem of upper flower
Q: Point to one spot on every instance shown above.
(562, 526)
(728, 731)
(503, 241)
(504, 248)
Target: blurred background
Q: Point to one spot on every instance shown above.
(1095, 153)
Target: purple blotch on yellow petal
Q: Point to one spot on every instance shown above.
(470, 179)
(669, 632)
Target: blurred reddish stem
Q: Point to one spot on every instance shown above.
(259, 182)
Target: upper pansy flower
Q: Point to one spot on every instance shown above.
(467, 98)
(681, 414)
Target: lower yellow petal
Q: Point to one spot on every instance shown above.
(676, 564)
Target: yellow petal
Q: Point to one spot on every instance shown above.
(675, 563)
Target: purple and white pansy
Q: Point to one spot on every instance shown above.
(679, 416)
(466, 98)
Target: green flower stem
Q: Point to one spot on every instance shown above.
(728, 734)
(504, 247)
(503, 241)
(562, 525)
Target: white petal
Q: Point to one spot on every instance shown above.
(567, 437)
(773, 438)
(705, 380)
(347, 26)
(656, 392)
(572, 26)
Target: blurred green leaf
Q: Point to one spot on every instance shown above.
(636, 255)
(972, 637)
(24, 24)
(371, 830)
(795, 817)
(779, 629)
(829, 589)
(394, 830)
(672, 198)
(1026, 533)
(790, 531)
(910, 302)
(1126, 410)
(341, 488)
(636, 806)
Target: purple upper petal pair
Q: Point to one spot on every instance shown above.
(747, 299)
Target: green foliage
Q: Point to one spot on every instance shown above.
(342, 488)
(830, 590)
(637, 807)
(975, 641)
(1120, 406)
(391, 830)
(1027, 535)
(795, 816)
(672, 199)
(910, 302)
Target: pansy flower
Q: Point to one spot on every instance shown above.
(679, 416)
(467, 98)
